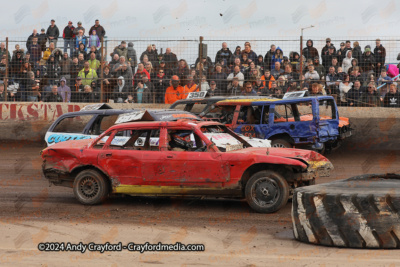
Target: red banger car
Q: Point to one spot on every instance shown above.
(192, 158)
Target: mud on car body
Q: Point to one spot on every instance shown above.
(90, 123)
(306, 122)
(217, 163)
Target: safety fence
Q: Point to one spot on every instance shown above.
(164, 57)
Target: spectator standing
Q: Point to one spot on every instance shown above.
(268, 57)
(223, 54)
(392, 99)
(53, 33)
(80, 38)
(52, 70)
(310, 52)
(346, 63)
(182, 71)
(65, 67)
(327, 58)
(69, 37)
(367, 63)
(277, 57)
(3, 51)
(78, 28)
(150, 53)
(30, 38)
(357, 53)
(325, 49)
(108, 83)
(121, 50)
(64, 90)
(131, 56)
(174, 92)
(94, 40)
(42, 39)
(250, 53)
(380, 56)
(171, 61)
(341, 53)
(100, 32)
(160, 84)
(35, 51)
(347, 47)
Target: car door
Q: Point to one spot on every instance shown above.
(328, 123)
(189, 168)
(123, 165)
(249, 121)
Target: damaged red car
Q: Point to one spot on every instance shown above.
(181, 158)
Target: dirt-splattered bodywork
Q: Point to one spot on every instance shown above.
(158, 170)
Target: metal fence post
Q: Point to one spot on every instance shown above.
(101, 70)
(200, 60)
(301, 54)
(6, 78)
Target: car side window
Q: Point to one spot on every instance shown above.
(185, 140)
(74, 124)
(265, 115)
(147, 139)
(102, 123)
(283, 113)
(250, 115)
(327, 110)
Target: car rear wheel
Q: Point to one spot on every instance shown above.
(90, 187)
(267, 191)
(281, 143)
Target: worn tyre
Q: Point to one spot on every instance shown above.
(90, 187)
(359, 212)
(282, 143)
(267, 191)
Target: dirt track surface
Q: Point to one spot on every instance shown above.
(233, 235)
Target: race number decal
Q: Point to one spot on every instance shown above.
(197, 95)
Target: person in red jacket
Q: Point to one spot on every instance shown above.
(69, 38)
(174, 92)
(141, 71)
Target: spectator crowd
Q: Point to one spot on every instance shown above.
(79, 73)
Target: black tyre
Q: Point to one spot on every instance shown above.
(267, 191)
(282, 143)
(90, 187)
(359, 212)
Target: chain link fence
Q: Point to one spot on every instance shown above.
(252, 66)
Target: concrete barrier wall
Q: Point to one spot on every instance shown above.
(376, 128)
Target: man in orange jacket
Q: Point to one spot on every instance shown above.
(174, 92)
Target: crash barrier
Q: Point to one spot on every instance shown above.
(375, 128)
(155, 91)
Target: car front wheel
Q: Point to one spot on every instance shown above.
(267, 191)
(281, 143)
(90, 187)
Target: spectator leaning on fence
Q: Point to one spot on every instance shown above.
(53, 33)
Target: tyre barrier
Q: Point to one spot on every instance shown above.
(359, 212)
